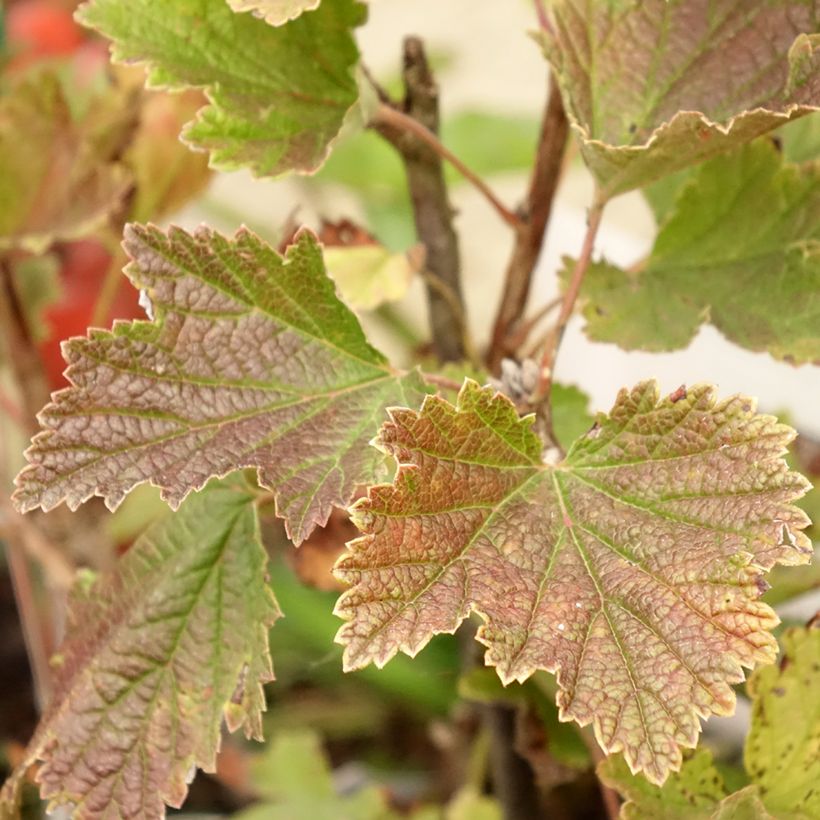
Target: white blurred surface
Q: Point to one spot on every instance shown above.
(493, 64)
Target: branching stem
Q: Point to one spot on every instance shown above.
(412, 133)
(529, 240)
(541, 394)
(387, 116)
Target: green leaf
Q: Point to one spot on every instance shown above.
(278, 95)
(570, 412)
(800, 139)
(158, 653)
(652, 86)
(252, 362)
(55, 182)
(294, 778)
(633, 568)
(743, 805)
(37, 284)
(371, 275)
(782, 751)
(740, 250)
(693, 793)
(274, 12)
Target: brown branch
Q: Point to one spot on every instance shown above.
(541, 393)
(388, 117)
(432, 212)
(545, 177)
(512, 776)
(441, 381)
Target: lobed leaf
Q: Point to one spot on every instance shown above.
(740, 249)
(252, 361)
(278, 94)
(633, 568)
(652, 86)
(58, 178)
(782, 752)
(274, 12)
(693, 793)
(158, 653)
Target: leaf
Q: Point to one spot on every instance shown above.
(782, 752)
(632, 569)
(274, 12)
(294, 778)
(252, 362)
(800, 139)
(469, 804)
(693, 793)
(158, 653)
(743, 805)
(370, 275)
(653, 86)
(166, 173)
(54, 183)
(37, 285)
(278, 95)
(570, 412)
(740, 250)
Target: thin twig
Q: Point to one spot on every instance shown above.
(112, 282)
(446, 292)
(387, 116)
(13, 411)
(432, 212)
(543, 18)
(541, 393)
(546, 175)
(58, 569)
(441, 381)
(523, 331)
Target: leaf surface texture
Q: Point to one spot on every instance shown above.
(158, 653)
(740, 249)
(278, 94)
(633, 568)
(652, 86)
(252, 361)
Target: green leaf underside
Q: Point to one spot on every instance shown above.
(741, 249)
(782, 752)
(175, 640)
(692, 793)
(252, 361)
(54, 183)
(633, 568)
(278, 94)
(295, 777)
(274, 12)
(652, 86)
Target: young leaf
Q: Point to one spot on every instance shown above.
(278, 95)
(294, 778)
(693, 793)
(740, 249)
(633, 568)
(274, 12)
(654, 86)
(158, 653)
(782, 748)
(55, 182)
(166, 173)
(252, 362)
